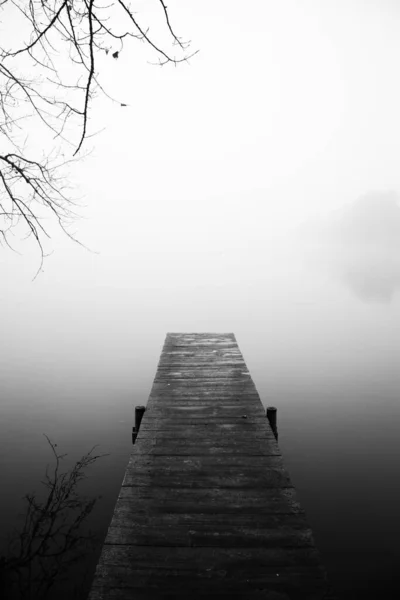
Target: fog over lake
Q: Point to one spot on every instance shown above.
(254, 191)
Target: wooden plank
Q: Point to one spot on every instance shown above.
(197, 463)
(208, 530)
(204, 447)
(150, 475)
(282, 572)
(214, 385)
(173, 399)
(232, 502)
(207, 508)
(193, 462)
(226, 412)
(212, 360)
(205, 426)
(218, 397)
(192, 435)
(153, 421)
(222, 563)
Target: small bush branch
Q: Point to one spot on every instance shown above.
(51, 538)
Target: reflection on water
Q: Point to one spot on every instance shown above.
(372, 278)
(360, 246)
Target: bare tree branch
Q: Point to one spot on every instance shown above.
(57, 45)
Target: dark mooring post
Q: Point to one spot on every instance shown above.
(271, 416)
(139, 412)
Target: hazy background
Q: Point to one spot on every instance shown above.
(254, 191)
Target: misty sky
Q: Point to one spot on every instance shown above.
(290, 108)
(192, 193)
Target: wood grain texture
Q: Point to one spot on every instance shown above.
(207, 508)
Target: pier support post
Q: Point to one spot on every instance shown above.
(271, 416)
(139, 412)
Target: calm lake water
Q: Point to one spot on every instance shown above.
(327, 357)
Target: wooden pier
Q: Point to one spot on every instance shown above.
(206, 508)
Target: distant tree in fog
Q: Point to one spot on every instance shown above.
(48, 78)
(360, 245)
(372, 221)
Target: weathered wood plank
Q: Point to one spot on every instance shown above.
(194, 433)
(204, 447)
(282, 573)
(226, 477)
(232, 502)
(205, 426)
(224, 411)
(222, 563)
(211, 385)
(196, 521)
(208, 530)
(174, 393)
(206, 508)
(194, 462)
(153, 421)
(209, 361)
(298, 584)
(181, 399)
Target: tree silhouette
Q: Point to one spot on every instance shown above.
(48, 78)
